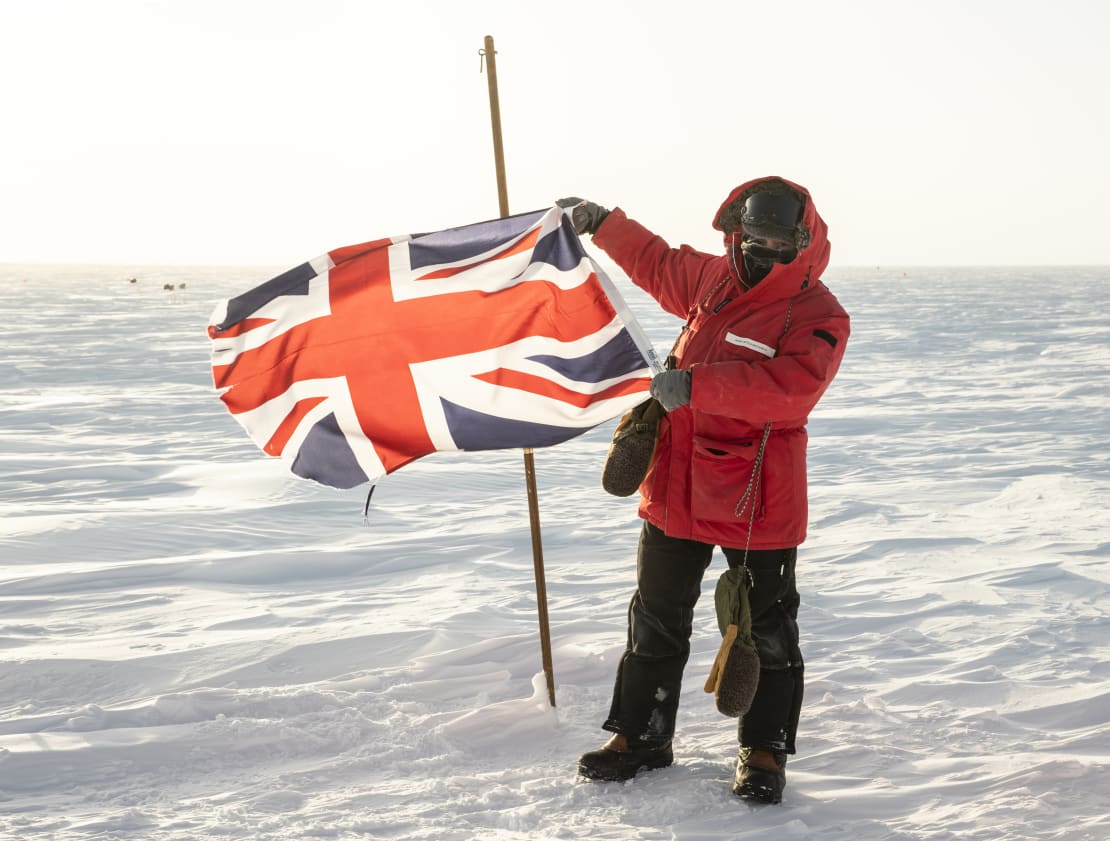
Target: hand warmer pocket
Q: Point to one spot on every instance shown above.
(720, 474)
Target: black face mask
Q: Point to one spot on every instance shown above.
(762, 255)
(760, 259)
(756, 271)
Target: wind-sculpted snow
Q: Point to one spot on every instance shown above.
(195, 644)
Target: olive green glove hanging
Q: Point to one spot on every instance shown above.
(734, 676)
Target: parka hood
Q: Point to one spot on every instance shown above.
(812, 259)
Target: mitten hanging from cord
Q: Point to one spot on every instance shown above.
(734, 676)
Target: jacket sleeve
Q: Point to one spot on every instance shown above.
(671, 276)
(783, 388)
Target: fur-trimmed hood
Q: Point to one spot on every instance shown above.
(812, 259)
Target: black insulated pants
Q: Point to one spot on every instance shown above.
(669, 574)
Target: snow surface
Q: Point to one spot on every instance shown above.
(196, 644)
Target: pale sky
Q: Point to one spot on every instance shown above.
(269, 132)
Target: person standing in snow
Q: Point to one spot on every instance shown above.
(763, 339)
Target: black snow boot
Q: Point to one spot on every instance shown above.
(759, 783)
(611, 765)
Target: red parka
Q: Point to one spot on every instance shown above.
(730, 467)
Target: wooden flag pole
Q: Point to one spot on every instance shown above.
(529, 459)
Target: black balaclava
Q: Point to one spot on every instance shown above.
(771, 211)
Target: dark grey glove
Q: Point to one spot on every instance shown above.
(586, 216)
(672, 388)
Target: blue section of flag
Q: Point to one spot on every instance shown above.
(561, 249)
(474, 430)
(616, 358)
(326, 457)
(458, 244)
(293, 282)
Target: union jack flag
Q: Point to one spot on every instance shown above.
(498, 335)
